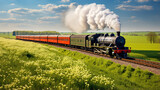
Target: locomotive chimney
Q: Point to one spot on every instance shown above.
(118, 33)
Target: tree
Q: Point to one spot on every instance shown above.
(152, 37)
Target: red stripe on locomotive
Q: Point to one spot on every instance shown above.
(120, 51)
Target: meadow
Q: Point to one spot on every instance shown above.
(7, 35)
(142, 48)
(29, 65)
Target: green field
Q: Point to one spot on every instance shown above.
(142, 48)
(29, 65)
(7, 35)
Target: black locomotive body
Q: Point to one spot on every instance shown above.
(102, 43)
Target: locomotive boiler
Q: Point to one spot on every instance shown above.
(111, 40)
(112, 45)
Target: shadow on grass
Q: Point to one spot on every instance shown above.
(146, 54)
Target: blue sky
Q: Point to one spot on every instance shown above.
(38, 15)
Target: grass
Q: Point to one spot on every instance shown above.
(141, 43)
(7, 35)
(28, 65)
(125, 77)
(142, 48)
(146, 54)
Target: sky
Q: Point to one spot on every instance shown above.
(47, 15)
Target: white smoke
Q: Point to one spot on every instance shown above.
(93, 16)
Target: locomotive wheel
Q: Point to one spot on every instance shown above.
(124, 55)
(118, 57)
(111, 56)
(86, 49)
(94, 50)
(110, 53)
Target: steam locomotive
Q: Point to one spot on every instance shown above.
(98, 43)
(112, 45)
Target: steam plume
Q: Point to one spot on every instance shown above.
(93, 16)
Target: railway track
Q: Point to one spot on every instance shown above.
(132, 60)
(137, 61)
(144, 62)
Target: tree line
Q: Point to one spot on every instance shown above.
(35, 33)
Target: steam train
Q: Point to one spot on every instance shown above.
(98, 43)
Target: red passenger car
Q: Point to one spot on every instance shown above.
(22, 37)
(43, 38)
(25, 37)
(30, 37)
(53, 38)
(17, 37)
(64, 39)
(36, 38)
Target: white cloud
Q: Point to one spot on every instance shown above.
(134, 8)
(147, 0)
(40, 17)
(132, 17)
(45, 9)
(24, 11)
(18, 11)
(52, 7)
(156, 0)
(6, 19)
(12, 4)
(134, 20)
(128, 1)
(14, 20)
(142, 0)
(65, 0)
(3, 11)
(48, 19)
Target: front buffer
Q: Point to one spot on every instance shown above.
(121, 53)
